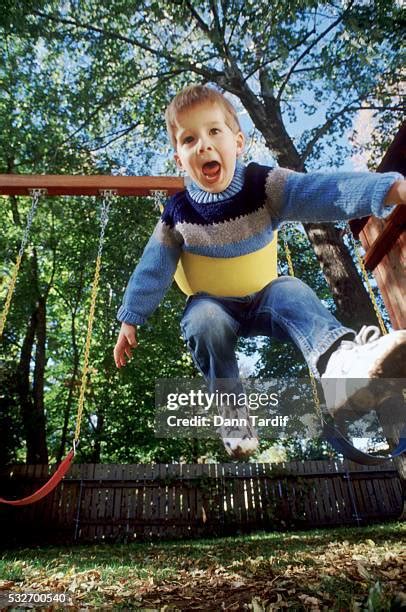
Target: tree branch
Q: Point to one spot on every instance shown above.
(202, 24)
(236, 21)
(276, 57)
(106, 33)
(310, 47)
(121, 134)
(322, 130)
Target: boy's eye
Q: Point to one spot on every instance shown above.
(187, 139)
(214, 130)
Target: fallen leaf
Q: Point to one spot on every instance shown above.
(6, 584)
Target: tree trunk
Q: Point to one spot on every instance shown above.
(32, 399)
(41, 451)
(354, 307)
(71, 394)
(35, 450)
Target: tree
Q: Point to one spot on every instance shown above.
(84, 88)
(279, 60)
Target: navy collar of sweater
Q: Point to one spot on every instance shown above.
(205, 197)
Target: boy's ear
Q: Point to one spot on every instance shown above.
(177, 160)
(240, 140)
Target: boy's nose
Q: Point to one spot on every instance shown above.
(204, 145)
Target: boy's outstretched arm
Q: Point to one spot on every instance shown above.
(318, 197)
(397, 193)
(126, 341)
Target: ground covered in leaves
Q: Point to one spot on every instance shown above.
(356, 569)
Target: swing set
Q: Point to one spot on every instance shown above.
(159, 188)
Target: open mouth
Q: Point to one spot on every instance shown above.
(211, 170)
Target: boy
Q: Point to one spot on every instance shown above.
(224, 220)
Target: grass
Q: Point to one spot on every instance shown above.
(322, 569)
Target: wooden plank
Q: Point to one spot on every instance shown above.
(20, 184)
(101, 472)
(146, 494)
(373, 502)
(194, 517)
(126, 494)
(394, 226)
(162, 500)
(229, 470)
(332, 499)
(214, 501)
(153, 487)
(396, 487)
(340, 500)
(187, 494)
(256, 498)
(204, 497)
(116, 508)
(173, 500)
(86, 504)
(244, 469)
(358, 485)
(322, 514)
(386, 494)
(113, 474)
(268, 493)
(390, 272)
(67, 500)
(92, 494)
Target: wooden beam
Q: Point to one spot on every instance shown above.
(394, 227)
(20, 184)
(394, 160)
(384, 241)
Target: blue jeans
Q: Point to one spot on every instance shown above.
(286, 309)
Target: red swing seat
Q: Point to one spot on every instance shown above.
(49, 486)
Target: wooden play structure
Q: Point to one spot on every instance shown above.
(384, 241)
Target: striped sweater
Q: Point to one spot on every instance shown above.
(243, 220)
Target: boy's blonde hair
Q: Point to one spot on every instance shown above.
(198, 94)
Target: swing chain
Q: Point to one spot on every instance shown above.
(35, 194)
(288, 255)
(361, 264)
(316, 399)
(159, 196)
(384, 331)
(107, 195)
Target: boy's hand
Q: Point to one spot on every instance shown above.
(126, 341)
(397, 193)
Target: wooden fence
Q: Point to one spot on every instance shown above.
(127, 502)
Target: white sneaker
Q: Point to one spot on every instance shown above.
(368, 357)
(238, 435)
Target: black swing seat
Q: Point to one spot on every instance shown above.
(343, 446)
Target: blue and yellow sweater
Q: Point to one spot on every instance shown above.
(225, 243)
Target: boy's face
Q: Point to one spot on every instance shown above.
(206, 147)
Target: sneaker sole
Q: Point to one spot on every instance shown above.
(391, 366)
